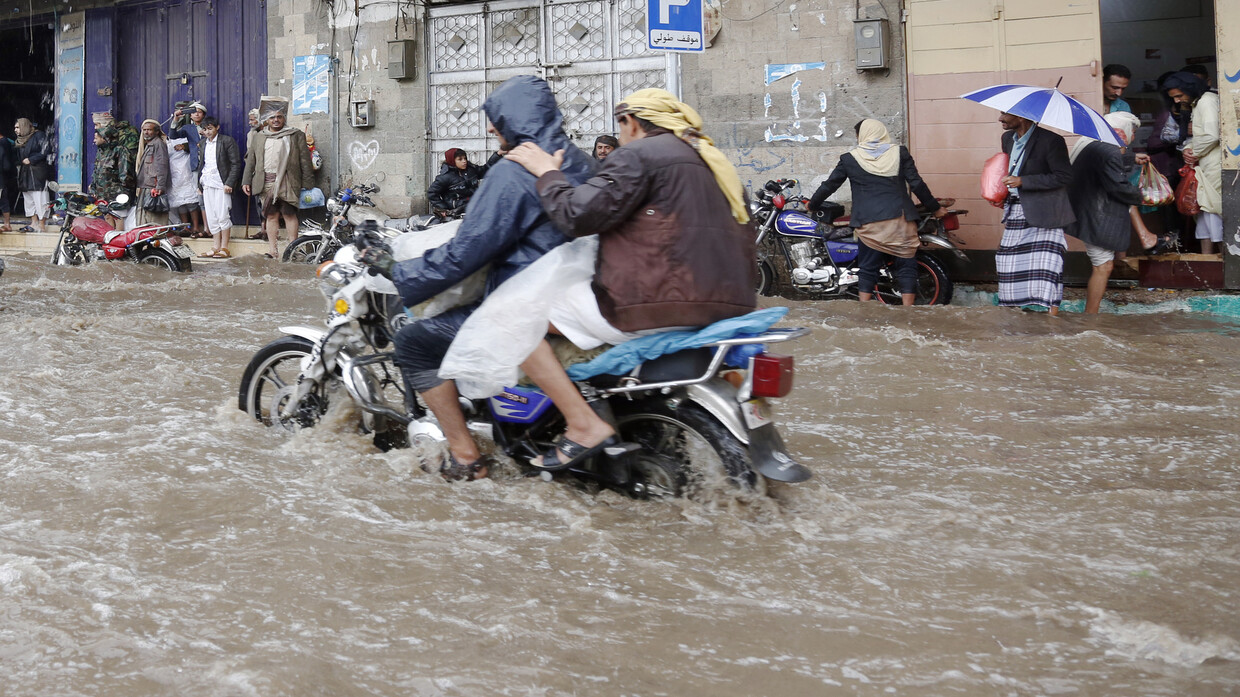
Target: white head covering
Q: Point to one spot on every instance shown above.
(875, 152)
(1124, 123)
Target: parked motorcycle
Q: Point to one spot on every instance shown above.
(687, 419)
(348, 209)
(86, 236)
(818, 255)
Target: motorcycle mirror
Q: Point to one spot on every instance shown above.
(374, 188)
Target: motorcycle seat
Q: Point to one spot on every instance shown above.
(682, 365)
(835, 234)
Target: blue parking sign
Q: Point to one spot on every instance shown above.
(674, 25)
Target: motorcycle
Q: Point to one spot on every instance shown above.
(819, 256)
(686, 419)
(348, 209)
(85, 236)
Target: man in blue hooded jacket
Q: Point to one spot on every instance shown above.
(504, 226)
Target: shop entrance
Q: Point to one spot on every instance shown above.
(1152, 39)
(28, 83)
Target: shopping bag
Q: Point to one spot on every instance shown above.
(1186, 192)
(1155, 189)
(993, 172)
(155, 204)
(311, 198)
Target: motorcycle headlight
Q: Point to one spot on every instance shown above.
(334, 207)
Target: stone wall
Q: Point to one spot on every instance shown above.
(392, 152)
(796, 126)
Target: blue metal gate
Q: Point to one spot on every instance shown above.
(146, 55)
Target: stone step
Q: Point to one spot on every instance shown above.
(42, 244)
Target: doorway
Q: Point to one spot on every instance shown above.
(1152, 39)
(28, 85)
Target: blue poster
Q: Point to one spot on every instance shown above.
(310, 76)
(69, 114)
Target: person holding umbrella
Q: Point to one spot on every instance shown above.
(1029, 262)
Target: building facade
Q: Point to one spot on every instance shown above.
(386, 86)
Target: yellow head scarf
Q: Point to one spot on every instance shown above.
(662, 109)
(875, 152)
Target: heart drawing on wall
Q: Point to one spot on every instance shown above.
(363, 156)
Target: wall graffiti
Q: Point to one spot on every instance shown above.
(363, 155)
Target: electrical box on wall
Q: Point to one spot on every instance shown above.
(871, 40)
(362, 113)
(402, 64)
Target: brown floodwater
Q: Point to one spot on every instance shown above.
(1003, 504)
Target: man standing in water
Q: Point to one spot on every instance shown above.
(505, 227)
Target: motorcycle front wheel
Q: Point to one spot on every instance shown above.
(269, 381)
(304, 250)
(766, 278)
(686, 450)
(68, 256)
(933, 285)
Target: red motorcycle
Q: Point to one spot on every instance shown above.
(86, 236)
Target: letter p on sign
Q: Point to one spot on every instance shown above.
(665, 9)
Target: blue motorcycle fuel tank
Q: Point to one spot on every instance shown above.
(516, 405)
(795, 224)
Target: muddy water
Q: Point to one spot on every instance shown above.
(1005, 504)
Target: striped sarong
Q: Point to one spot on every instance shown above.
(1029, 262)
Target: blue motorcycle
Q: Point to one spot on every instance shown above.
(689, 420)
(815, 254)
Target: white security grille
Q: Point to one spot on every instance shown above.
(591, 52)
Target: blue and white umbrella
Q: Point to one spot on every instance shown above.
(1048, 107)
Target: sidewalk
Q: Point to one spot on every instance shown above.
(42, 244)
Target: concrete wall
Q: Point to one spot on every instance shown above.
(389, 154)
(803, 131)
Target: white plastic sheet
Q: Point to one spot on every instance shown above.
(488, 351)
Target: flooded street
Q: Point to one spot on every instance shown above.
(1003, 504)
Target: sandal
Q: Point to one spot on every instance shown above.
(208, 255)
(222, 253)
(1160, 246)
(575, 452)
(25, 228)
(453, 470)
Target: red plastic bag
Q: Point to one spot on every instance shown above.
(1186, 192)
(993, 172)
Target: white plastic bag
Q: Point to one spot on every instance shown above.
(490, 347)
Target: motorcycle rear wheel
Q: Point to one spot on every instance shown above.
(303, 250)
(933, 285)
(160, 260)
(687, 450)
(268, 380)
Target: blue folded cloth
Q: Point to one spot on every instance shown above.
(622, 359)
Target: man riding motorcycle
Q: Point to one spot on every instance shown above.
(505, 227)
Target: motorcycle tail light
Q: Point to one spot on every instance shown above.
(778, 200)
(771, 375)
(951, 222)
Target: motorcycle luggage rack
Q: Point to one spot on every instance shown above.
(770, 336)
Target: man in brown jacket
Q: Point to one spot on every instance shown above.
(277, 168)
(674, 247)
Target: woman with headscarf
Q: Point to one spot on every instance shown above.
(1029, 262)
(153, 173)
(674, 248)
(33, 171)
(1202, 152)
(8, 181)
(883, 215)
(457, 181)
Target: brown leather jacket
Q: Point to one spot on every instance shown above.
(670, 253)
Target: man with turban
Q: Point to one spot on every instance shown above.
(154, 173)
(277, 168)
(674, 248)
